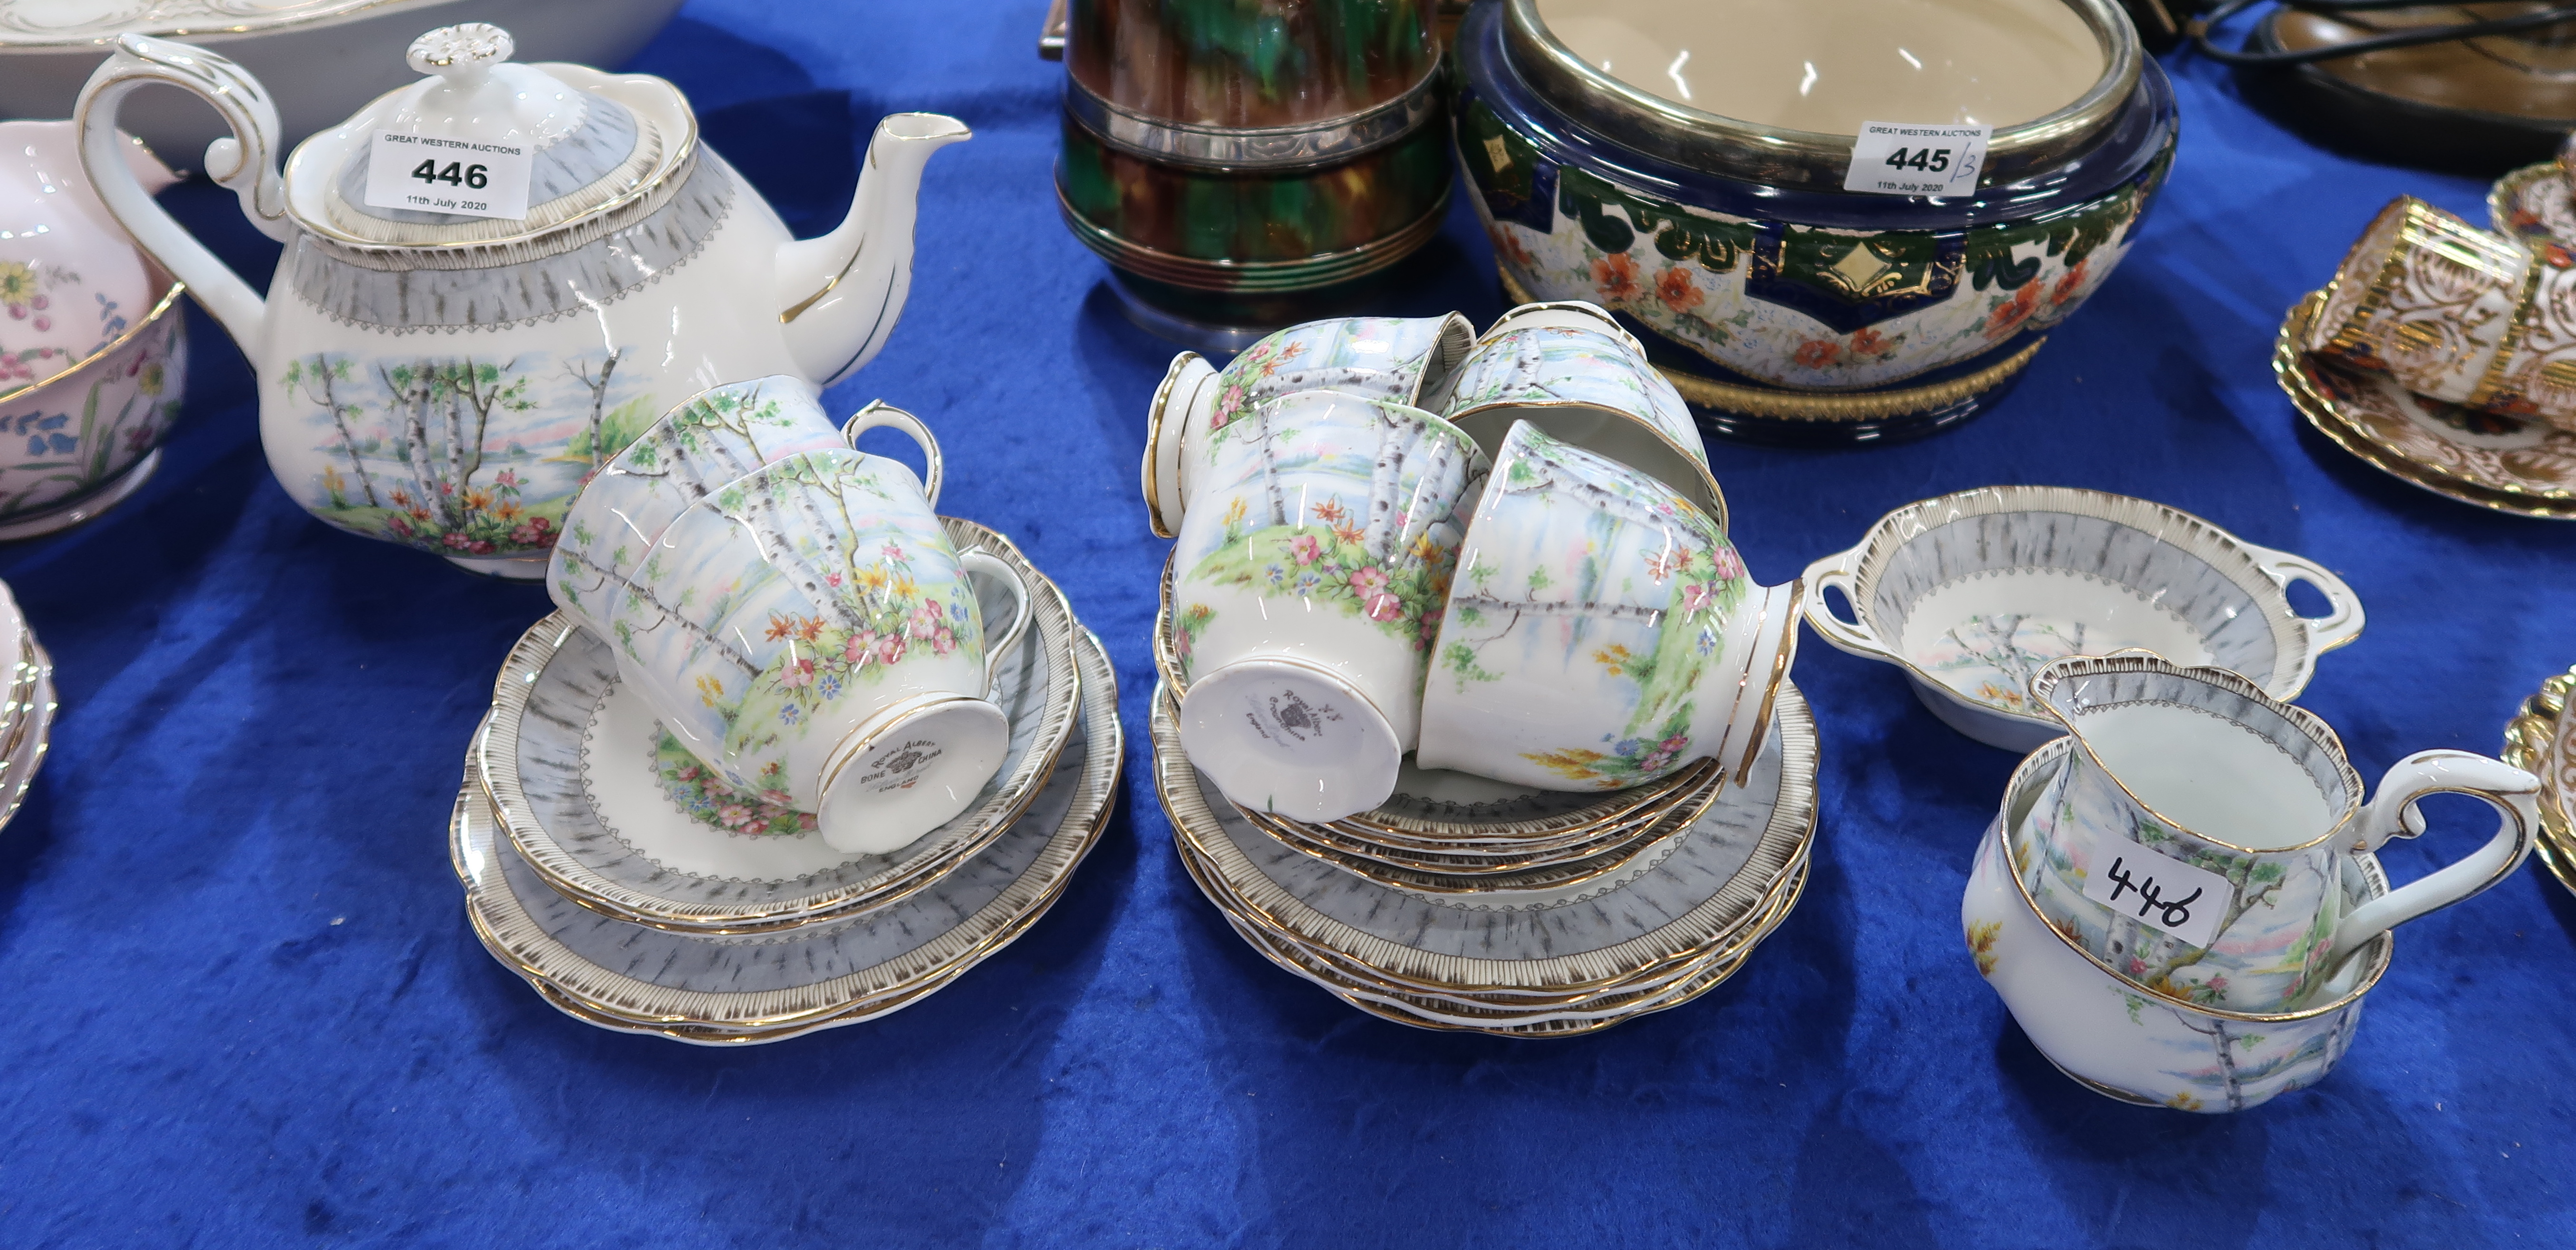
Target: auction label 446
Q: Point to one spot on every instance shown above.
(1904, 158)
(444, 174)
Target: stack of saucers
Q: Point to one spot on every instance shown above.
(1564, 948)
(779, 763)
(635, 891)
(27, 715)
(1468, 903)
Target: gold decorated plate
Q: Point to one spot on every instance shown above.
(2534, 206)
(730, 989)
(1591, 937)
(2542, 742)
(2502, 463)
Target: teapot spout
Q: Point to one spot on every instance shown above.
(839, 294)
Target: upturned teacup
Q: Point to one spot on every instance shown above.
(2138, 1044)
(1308, 582)
(1396, 358)
(808, 632)
(1601, 632)
(2455, 313)
(717, 436)
(1569, 370)
(2197, 838)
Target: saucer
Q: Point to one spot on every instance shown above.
(1548, 963)
(2507, 464)
(1633, 846)
(2533, 206)
(740, 988)
(2542, 742)
(615, 814)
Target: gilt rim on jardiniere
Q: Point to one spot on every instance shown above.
(1800, 158)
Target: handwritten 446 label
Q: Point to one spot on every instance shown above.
(2157, 890)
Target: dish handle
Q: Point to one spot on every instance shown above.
(2343, 619)
(1835, 572)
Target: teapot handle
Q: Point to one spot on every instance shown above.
(2392, 813)
(246, 162)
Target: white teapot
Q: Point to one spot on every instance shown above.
(449, 381)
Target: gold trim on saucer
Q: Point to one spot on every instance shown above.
(2541, 736)
(2290, 368)
(1249, 893)
(570, 876)
(613, 999)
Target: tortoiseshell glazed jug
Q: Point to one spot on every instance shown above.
(1225, 157)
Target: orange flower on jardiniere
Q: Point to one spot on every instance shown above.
(2008, 315)
(1868, 342)
(1818, 353)
(1615, 277)
(2070, 284)
(1675, 288)
(1508, 246)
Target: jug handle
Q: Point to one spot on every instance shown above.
(2512, 792)
(245, 162)
(2343, 619)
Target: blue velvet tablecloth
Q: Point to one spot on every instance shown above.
(243, 1006)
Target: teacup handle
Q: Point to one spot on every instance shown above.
(2512, 792)
(2343, 619)
(1836, 571)
(981, 561)
(881, 415)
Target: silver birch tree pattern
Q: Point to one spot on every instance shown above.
(1693, 581)
(1991, 659)
(1386, 556)
(850, 588)
(2158, 963)
(722, 435)
(1569, 365)
(1367, 357)
(464, 455)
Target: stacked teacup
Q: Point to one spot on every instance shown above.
(1456, 616)
(791, 728)
(2180, 902)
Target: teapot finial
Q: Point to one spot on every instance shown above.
(461, 51)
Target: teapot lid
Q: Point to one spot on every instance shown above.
(600, 143)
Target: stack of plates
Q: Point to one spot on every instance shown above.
(2508, 464)
(1467, 903)
(2542, 741)
(609, 869)
(27, 716)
